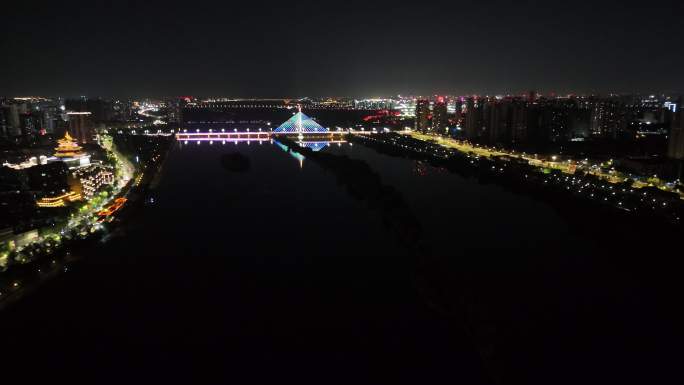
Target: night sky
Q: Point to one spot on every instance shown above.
(342, 48)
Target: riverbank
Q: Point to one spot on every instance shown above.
(605, 171)
(571, 193)
(52, 255)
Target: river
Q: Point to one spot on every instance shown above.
(280, 272)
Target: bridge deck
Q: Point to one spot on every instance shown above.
(263, 135)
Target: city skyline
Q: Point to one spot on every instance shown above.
(669, 96)
(480, 192)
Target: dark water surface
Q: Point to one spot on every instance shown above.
(279, 275)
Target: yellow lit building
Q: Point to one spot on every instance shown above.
(69, 152)
(58, 201)
(87, 181)
(68, 148)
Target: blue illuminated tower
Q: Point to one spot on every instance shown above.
(300, 124)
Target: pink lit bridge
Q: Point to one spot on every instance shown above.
(236, 137)
(257, 136)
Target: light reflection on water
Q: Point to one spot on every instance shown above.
(317, 145)
(458, 213)
(199, 200)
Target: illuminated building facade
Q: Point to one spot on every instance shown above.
(407, 107)
(423, 115)
(11, 120)
(175, 111)
(473, 118)
(30, 124)
(440, 122)
(607, 119)
(374, 104)
(675, 149)
(3, 123)
(496, 121)
(32, 161)
(58, 201)
(87, 181)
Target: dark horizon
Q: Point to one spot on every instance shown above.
(274, 50)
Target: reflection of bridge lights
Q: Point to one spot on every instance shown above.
(235, 142)
(199, 142)
(186, 142)
(224, 142)
(211, 142)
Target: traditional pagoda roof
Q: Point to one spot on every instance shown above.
(299, 123)
(68, 148)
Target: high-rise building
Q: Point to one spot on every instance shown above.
(422, 115)
(101, 110)
(3, 124)
(458, 104)
(607, 119)
(81, 126)
(473, 118)
(49, 121)
(175, 111)
(519, 112)
(11, 112)
(555, 119)
(497, 121)
(30, 124)
(440, 122)
(675, 148)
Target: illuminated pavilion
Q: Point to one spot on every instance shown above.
(69, 152)
(68, 148)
